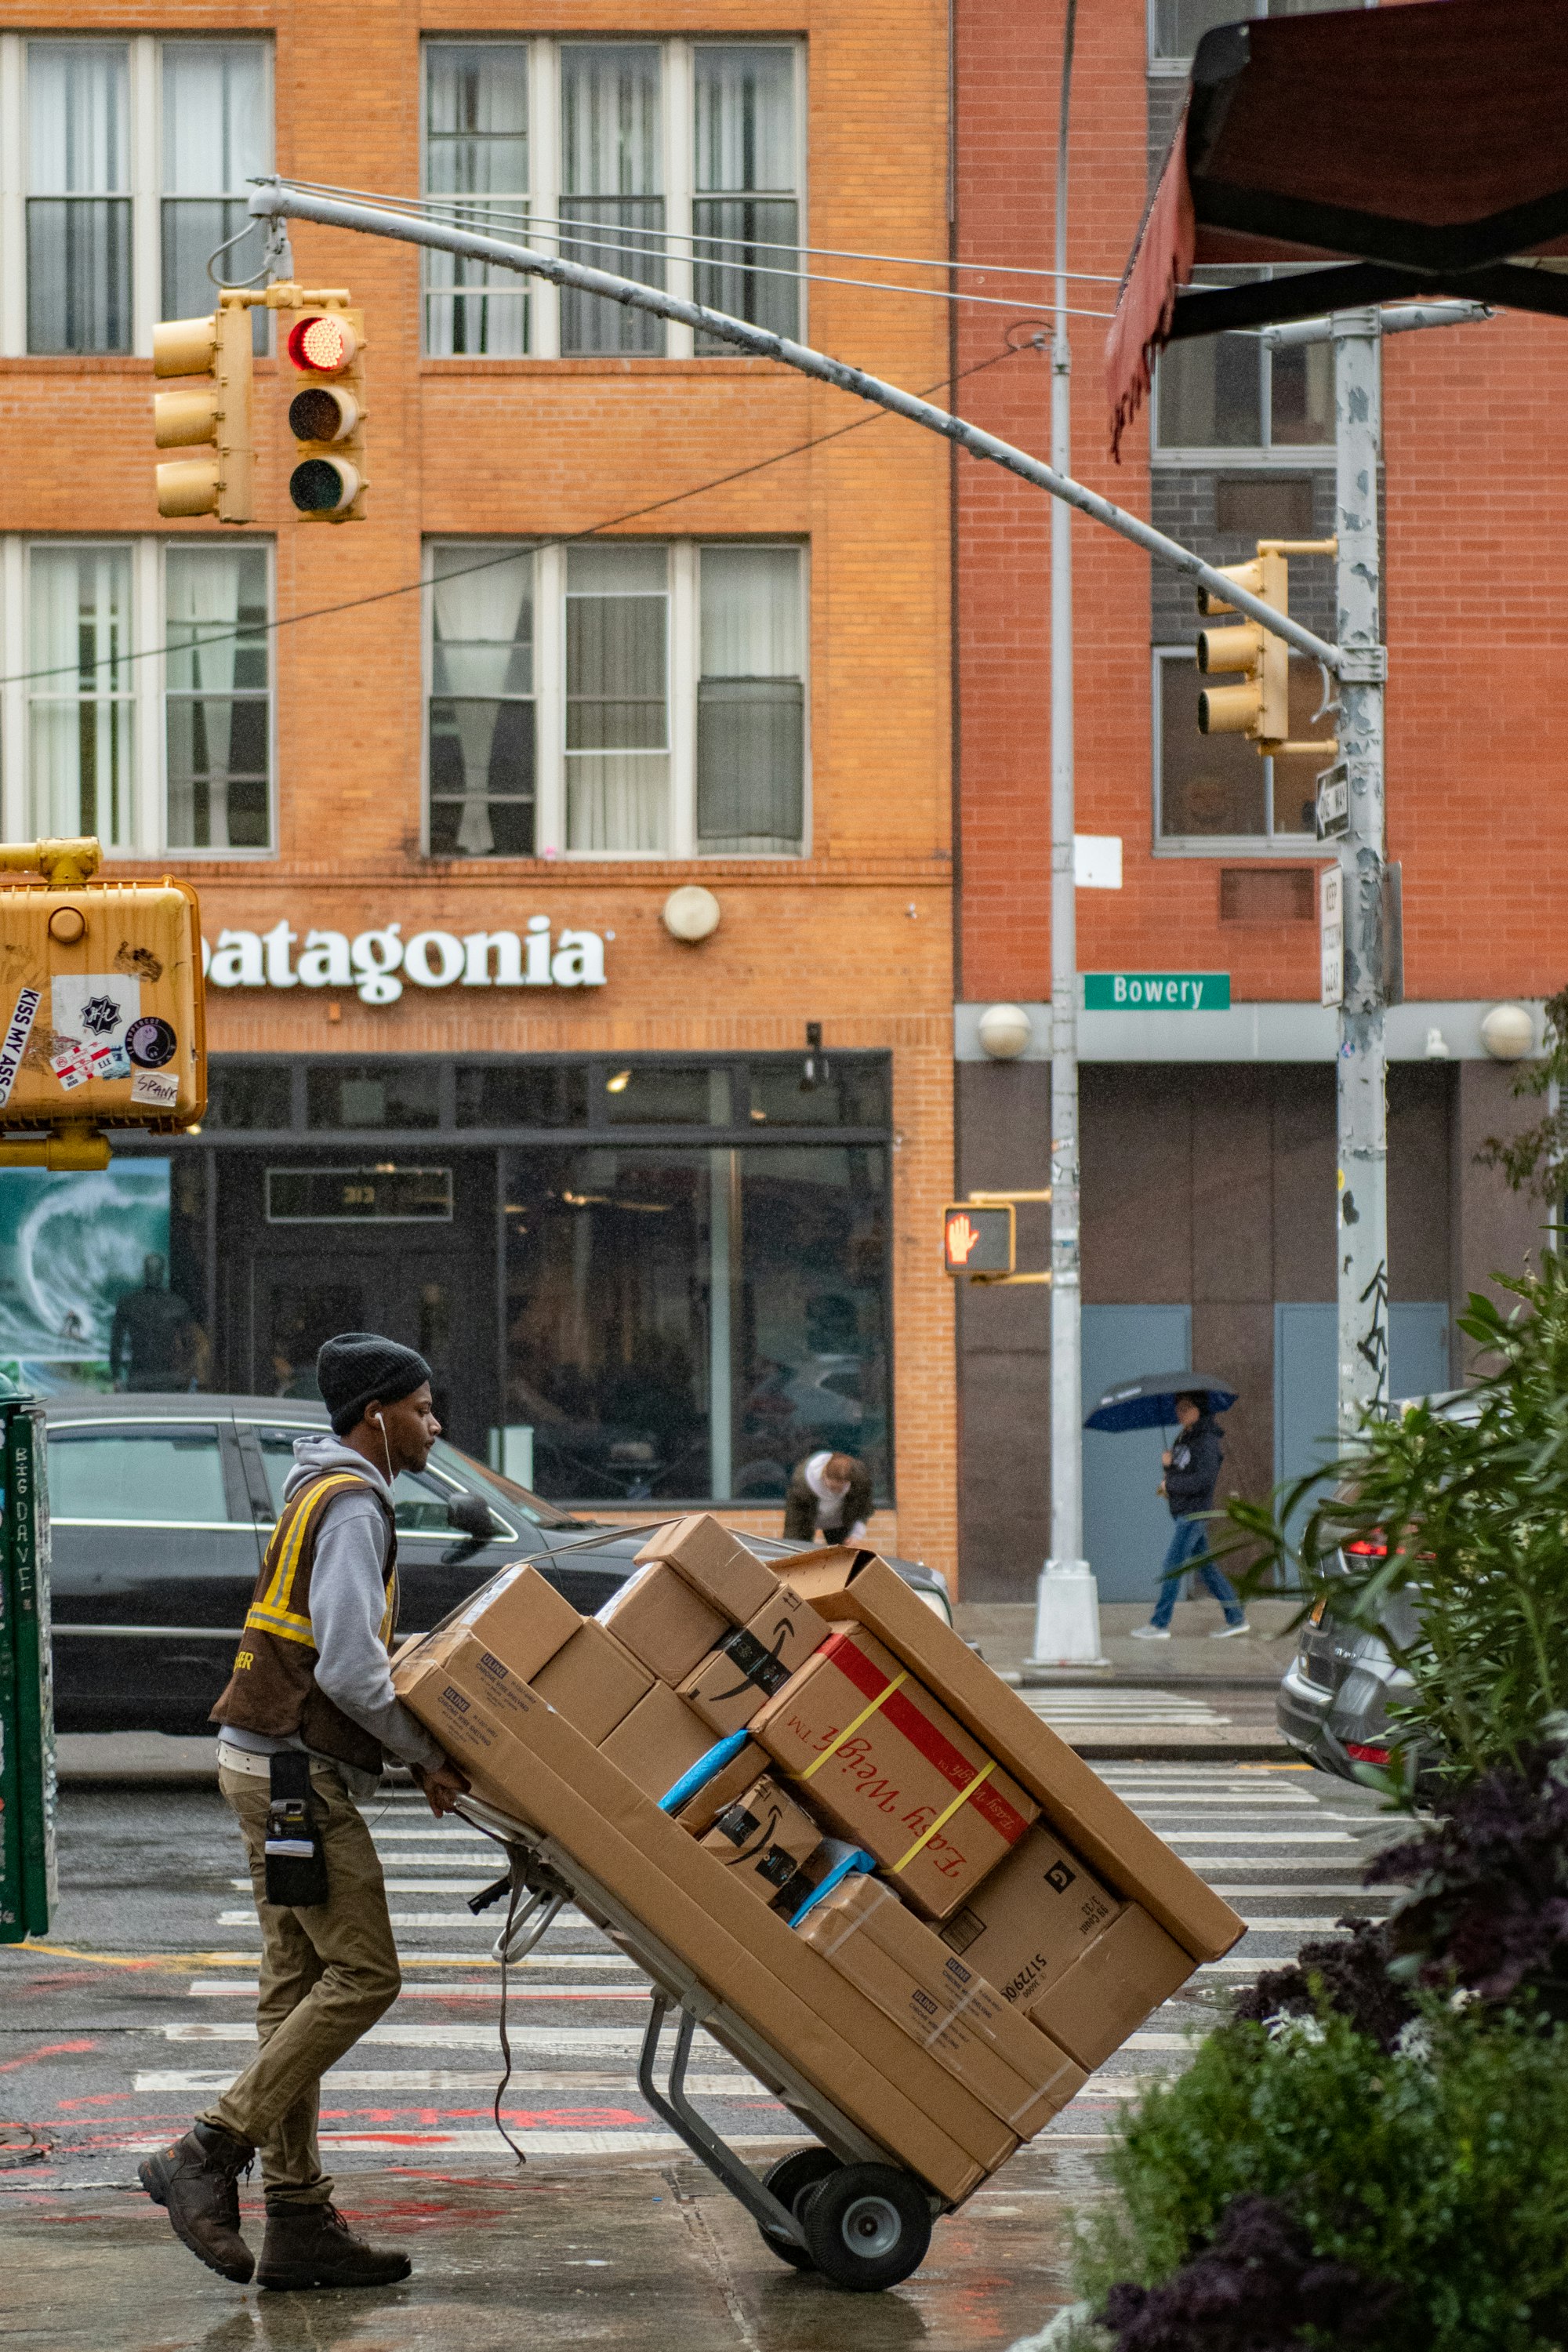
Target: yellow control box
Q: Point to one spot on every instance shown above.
(101, 1006)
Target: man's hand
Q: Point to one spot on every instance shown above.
(443, 1784)
(1165, 1459)
(1161, 1487)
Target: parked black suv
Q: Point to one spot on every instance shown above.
(160, 1509)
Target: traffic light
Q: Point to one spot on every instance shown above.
(326, 416)
(1261, 708)
(219, 418)
(977, 1240)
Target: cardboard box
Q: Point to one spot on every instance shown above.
(714, 1563)
(593, 1682)
(658, 1740)
(754, 1660)
(659, 1617)
(1105, 1995)
(1036, 1914)
(892, 1769)
(788, 1627)
(517, 1614)
(950, 2009)
(765, 1840)
(851, 1584)
(533, 1766)
(699, 1812)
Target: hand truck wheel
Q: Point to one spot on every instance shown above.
(789, 2179)
(866, 2226)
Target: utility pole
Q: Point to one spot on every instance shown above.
(1362, 1068)
(1067, 1604)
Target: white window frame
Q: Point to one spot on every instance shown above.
(1232, 846)
(1266, 455)
(678, 105)
(143, 51)
(149, 727)
(683, 669)
(1173, 69)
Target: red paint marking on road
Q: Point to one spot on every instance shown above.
(49, 2050)
(97, 2099)
(559, 2118)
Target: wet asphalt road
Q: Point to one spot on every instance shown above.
(137, 2007)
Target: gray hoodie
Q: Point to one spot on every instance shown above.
(348, 1601)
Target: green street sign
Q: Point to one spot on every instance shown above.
(1156, 991)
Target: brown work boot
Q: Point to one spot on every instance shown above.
(195, 2183)
(313, 2245)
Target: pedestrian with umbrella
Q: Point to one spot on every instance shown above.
(1192, 1464)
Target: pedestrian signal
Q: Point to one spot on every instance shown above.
(1260, 709)
(220, 348)
(326, 416)
(977, 1240)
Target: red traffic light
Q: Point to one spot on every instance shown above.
(977, 1240)
(322, 343)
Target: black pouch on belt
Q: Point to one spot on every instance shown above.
(296, 1864)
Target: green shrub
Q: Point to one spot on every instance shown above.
(1441, 2168)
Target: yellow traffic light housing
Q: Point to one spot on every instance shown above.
(979, 1237)
(219, 418)
(1260, 709)
(102, 1013)
(326, 416)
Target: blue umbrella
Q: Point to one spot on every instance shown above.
(1150, 1403)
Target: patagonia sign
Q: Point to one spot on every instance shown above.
(376, 964)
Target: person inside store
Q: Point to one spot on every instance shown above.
(1192, 1473)
(828, 1500)
(306, 1723)
(155, 1340)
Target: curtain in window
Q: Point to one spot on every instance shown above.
(751, 703)
(79, 210)
(80, 717)
(617, 739)
(745, 204)
(216, 136)
(476, 152)
(612, 181)
(217, 704)
(481, 710)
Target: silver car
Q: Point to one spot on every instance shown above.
(1334, 1699)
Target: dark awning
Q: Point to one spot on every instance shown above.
(1411, 151)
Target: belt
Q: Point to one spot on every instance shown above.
(244, 1760)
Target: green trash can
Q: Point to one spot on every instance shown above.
(28, 1890)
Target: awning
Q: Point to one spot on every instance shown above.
(1410, 152)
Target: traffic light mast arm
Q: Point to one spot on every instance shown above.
(60, 861)
(276, 199)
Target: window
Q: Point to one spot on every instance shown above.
(1176, 26)
(78, 197)
(1231, 392)
(666, 715)
(475, 154)
(170, 1477)
(81, 695)
(676, 163)
(152, 751)
(1214, 791)
(130, 148)
(218, 707)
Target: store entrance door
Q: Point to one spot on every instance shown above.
(430, 1285)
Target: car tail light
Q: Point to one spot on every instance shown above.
(1368, 1546)
(1364, 1755)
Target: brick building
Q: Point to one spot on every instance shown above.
(660, 1210)
(1208, 1139)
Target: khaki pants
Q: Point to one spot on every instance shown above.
(328, 1971)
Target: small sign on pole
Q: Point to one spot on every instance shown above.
(1333, 802)
(1332, 935)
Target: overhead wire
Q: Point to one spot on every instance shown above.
(527, 543)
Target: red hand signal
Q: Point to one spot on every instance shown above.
(962, 1233)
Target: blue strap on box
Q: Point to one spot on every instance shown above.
(848, 1860)
(698, 1774)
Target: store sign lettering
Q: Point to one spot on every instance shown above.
(376, 964)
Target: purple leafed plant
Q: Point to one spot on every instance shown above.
(1353, 1974)
(1253, 2289)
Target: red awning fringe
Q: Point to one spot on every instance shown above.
(1162, 261)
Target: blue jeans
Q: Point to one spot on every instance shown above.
(1189, 1536)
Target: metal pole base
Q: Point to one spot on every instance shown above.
(1066, 1617)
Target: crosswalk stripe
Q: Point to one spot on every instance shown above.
(187, 2081)
(544, 2141)
(452, 2034)
(224, 1987)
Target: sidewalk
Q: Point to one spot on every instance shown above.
(1005, 1632)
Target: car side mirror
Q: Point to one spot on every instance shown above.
(470, 1517)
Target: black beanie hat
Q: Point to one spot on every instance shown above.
(361, 1367)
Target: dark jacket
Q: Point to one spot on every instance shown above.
(801, 1507)
(1194, 1472)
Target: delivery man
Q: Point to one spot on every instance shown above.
(312, 1680)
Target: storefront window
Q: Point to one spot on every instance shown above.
(103, 1279)
(381, 1093)
(522, 1094)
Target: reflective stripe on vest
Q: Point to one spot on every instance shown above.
(269, 1614)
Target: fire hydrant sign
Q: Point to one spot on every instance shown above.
(1156, 991)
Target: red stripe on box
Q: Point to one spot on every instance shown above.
(903, 1712)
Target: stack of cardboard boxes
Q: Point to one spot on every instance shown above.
(1006, 1922)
